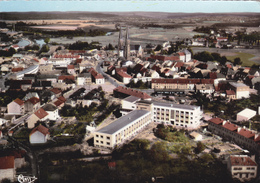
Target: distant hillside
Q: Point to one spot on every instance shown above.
(86, 15)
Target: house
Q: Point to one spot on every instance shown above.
(7, 168)
(32, 104)
(47, 95)
(46, 68)
(96, 77)
(123, 77)
(242, 90)
(53, 112)
(205, 88)
(16, 107)
(84, 79)
(245, 114)
(30, 95)
(57, 92)
(60, 102)
(71, 69)
(63, 78)
(242, 167)
(39, 135)
(39, 115)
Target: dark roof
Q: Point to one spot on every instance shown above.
(49, 107)
(123, 121)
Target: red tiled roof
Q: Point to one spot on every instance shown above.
(181, 54)
(213, 75)
(33, 100)
(55, 90)
(123, 74)
(230, 92)
(61, 98)
(257, 138)
(95, 74)
(19, 101)
(17, 69)
(230, 126)
(246, 133)
(244, 161)
(78, 61)
(183, 81)
(70, 66)
(66, 56)
(41, 113)
(58, 103)
(36, 60)
(217, 121)
(64, 77)
(41, 129)
(178, 64)
(132, 92)
(6, 162)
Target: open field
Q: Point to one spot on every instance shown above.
(245, 58)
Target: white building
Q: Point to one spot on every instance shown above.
(242, 167)
(122, 129)
(39, 135)
(128, 104)
(245, 114)
(16, 107)
(242, 90)
(53, 112)
(186, 116)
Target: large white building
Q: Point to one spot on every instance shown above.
(186, 116)
(122, 129)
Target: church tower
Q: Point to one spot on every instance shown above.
(120, 43)
(123, 49)
(127, 45)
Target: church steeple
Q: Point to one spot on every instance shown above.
(127, 44)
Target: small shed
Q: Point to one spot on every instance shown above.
(245, 114)
(196, 136)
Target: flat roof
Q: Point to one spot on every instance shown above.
(123, 121)
(131, 99)
(237, 84)
(172, 105)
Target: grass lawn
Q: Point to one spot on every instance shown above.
(244, 58)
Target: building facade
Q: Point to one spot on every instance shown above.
(185, 116)
(122, 129)
(242, 167)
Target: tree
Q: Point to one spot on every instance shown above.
(237, 61)
(47, 40)
(45, 48)
(158, 47)
(200, 147)
(223, 60)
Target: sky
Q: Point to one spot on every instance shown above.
(173, 6)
